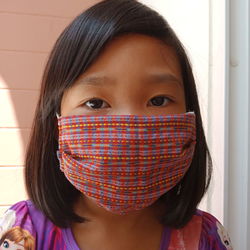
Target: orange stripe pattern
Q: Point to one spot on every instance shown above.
(126, 162)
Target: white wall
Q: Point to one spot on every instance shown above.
(238, 122)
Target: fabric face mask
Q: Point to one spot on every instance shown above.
(126, 162)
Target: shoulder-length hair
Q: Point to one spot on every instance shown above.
(75, 50)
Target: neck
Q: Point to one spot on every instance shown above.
(88, 209)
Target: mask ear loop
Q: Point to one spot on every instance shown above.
(58, 154)
(179, 189)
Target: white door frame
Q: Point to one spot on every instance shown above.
(237, 135)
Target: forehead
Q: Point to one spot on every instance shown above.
(130, 69)
(133, 55)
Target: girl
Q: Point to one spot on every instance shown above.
(17, 238)
(118, 158)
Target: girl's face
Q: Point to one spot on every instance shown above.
(134, 75)
(8, 244)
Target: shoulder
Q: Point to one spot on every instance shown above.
(213, 234)
(203, 232)
(24, 220)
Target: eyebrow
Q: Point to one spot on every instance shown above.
(94, 80)
(151, 78)
(163, 78)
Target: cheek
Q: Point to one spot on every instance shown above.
(69, 99)
(183, 100)
(65, 104)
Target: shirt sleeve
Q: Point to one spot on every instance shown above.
(213, 235)
(16, 228)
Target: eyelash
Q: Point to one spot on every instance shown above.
(98, 99)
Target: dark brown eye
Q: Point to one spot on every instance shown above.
(96, 103)
(160, 101)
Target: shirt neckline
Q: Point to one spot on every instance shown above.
(165, 238)
(72, 245)
(69, 239)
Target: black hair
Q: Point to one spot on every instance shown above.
(75, 50)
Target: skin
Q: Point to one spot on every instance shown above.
(136, 75)
(8, 244)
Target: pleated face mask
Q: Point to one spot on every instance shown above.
(126, 162)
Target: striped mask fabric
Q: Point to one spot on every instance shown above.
(126, 162)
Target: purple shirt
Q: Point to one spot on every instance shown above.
(40, 233)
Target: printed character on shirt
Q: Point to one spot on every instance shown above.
(17, 238)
